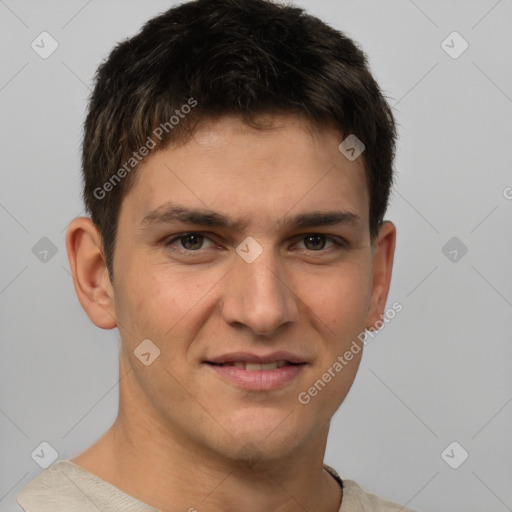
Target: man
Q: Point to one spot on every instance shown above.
(237, 163)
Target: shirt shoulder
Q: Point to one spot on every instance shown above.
(64, 486)
(356, 499)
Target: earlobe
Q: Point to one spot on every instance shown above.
(89, 272)
(384, 250)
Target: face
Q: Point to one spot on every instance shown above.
(245, 247)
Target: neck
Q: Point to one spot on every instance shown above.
(170, 472)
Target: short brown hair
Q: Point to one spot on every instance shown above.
(209, 58)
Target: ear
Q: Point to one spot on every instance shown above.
(89, 271)
(383, 252)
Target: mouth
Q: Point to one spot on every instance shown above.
(251, 366)
(257, 373)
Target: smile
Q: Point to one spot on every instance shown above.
(249, 366)
(257, 376)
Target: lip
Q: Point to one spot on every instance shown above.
(258, 380)
(258, 358)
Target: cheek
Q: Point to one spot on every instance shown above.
(340, 300)
(145, 303)
(158, 302)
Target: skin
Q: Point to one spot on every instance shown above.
(183, 436)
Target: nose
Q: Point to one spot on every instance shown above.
(259, 296)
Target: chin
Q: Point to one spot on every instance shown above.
(267, 436)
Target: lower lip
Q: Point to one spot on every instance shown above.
(258, 380)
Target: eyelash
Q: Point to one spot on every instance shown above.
(169, 242)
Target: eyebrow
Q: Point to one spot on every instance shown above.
(172, 213)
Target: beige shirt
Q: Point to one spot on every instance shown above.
(66, 487)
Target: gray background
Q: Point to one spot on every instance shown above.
(439, 372)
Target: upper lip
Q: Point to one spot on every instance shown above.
(255, 358)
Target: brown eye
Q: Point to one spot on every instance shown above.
(191, 241)
(321, 243)
(187, 242)
(314, 242)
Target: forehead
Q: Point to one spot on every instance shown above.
(243, 172)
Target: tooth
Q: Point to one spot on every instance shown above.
(258, 366)
(253, 366)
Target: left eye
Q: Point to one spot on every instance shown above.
(317, 241)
